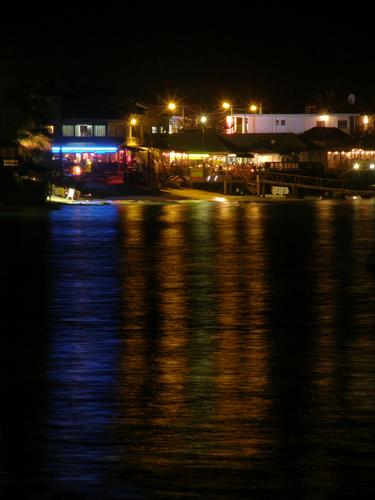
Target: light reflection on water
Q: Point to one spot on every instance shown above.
(201, 349)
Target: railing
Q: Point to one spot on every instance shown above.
(283, 178)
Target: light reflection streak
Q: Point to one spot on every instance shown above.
(174, 315)
(134, 285)
(342, 361)
(242, 376)
(83, 346)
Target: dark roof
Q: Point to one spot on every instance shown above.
(270, 143)
(199, 142)
(239, 144)
(366, 142)
(329, 138)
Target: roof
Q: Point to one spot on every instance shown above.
(205, 141)
(329, 138)
(270, 143)
(366, 142)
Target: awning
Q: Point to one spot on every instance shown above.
(84, 147)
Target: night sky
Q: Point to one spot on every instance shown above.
(281, 60)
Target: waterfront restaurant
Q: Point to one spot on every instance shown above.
(79, 156)
(85, 125)
(279, 151)
(203, 156)
(340, 149)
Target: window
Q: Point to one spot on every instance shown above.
(342, 124)
(280, 123)
(154, 130)
(50, 129)
(83, 130)
(320, 123)
(99, 130)
(68, 130)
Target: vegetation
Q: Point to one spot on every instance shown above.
(21, 122)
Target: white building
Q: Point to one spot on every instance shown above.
(253, 123)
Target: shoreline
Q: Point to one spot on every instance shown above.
(176, 196)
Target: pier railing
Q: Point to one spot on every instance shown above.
(258, 180)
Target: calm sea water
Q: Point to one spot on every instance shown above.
(196, 350)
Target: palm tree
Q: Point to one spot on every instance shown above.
(21, 122)
(33, 140)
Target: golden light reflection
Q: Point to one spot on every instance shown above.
(242, 355)
(155, 357)
(173, 304)
(325, 287)
(134, 258)
(195, 374)
(343, 348)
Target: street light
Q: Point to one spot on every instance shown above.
(132, 123)
(254, 108)
(171, 106)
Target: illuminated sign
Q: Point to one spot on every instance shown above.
(84, 149)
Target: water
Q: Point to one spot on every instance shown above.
(195, 350)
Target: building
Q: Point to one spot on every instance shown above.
(87, 128)
(252, 123)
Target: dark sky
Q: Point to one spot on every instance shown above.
(193, 56)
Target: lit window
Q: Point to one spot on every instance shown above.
(83, 130)
(68, 130)
(50, 129)
(99, 130)
(154, 130)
